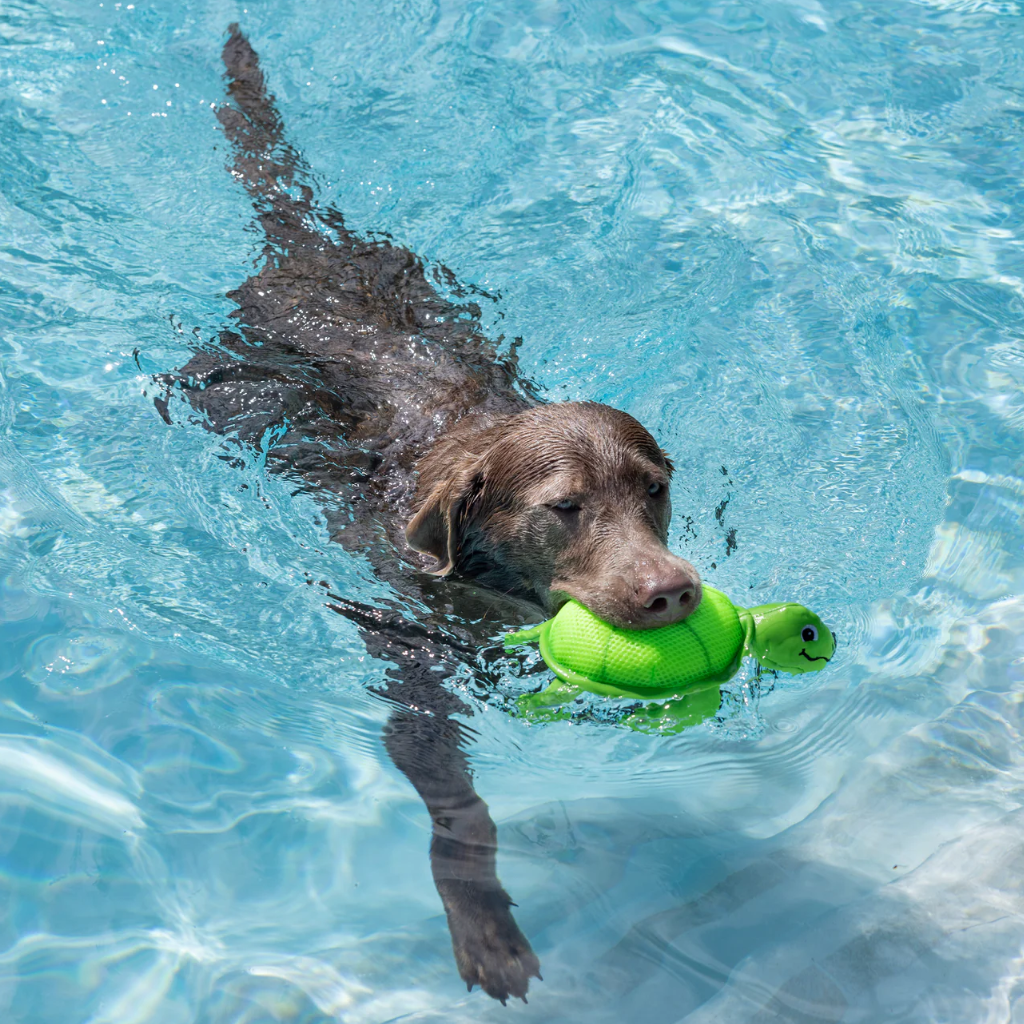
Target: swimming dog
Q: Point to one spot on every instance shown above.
(432, 455)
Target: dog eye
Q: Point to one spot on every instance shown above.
(566, 505)
(655, 489)
(809, 634)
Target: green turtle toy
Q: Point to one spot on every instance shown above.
(678, 668)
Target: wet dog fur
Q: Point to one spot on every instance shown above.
(434, 457)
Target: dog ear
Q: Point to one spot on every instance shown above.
(435, 529)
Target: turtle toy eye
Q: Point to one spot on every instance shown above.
(654, 489)
(808, 634)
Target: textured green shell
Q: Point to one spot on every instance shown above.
(583, 650)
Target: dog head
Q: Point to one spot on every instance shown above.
(558, 501)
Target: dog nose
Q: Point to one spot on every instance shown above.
(670, 598)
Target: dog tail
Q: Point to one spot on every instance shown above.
(263, 160)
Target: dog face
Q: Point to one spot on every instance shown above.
(558, 501)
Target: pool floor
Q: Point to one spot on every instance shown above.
(787, 237)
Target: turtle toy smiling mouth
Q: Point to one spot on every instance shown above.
(678, 668)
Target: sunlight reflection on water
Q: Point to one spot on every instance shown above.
(783, 235)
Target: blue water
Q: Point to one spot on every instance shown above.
(785, 235)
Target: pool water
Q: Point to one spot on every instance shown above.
(787, 236)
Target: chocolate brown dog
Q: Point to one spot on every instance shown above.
(431, 455)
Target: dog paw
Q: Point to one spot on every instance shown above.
(490, 950)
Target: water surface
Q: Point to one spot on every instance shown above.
(787, 236)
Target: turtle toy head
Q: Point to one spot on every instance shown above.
(790, 638)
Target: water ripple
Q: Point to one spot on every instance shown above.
(784, 235)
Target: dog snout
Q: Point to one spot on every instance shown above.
(670, 595)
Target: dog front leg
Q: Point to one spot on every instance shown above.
(489, 948)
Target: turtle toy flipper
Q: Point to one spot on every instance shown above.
(682, 664)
